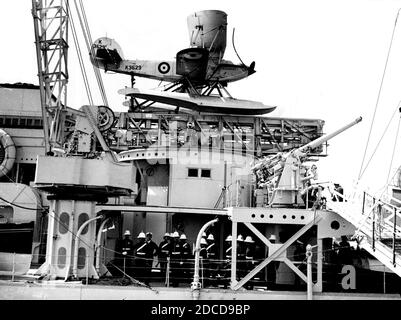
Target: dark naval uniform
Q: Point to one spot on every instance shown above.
(186, 261)
(140, 261)
(125, 249)
(250, 263)
(164, 252)
(211, 264)
(175, 260)
(227, 266)
(241, 263)
(150, 250)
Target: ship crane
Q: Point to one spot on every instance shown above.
(75, 173)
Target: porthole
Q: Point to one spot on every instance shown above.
(293, 217)
(253, 215)
(271, 216)
(262, 216)
(302, 217)
(335, 225)
(284, 217)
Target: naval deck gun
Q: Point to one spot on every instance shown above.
(281, 179)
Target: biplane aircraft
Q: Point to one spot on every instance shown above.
(197, 78)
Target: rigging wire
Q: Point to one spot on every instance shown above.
(381, 138)
(395, 145)
(88, 41)
(80, 60)
(378, 97)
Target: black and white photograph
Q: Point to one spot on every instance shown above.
(212, 154)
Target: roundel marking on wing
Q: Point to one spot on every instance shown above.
(164, 67)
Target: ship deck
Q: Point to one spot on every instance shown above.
(60, 290)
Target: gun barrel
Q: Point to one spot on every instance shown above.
(315, 143)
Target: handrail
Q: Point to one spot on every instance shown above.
(379, 225)
(195, 286)
(76, 245)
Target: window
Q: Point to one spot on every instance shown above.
(26, 172)
(206, 173)
(62, 257)
(192, 172)
(64, 223)
(83, 217)
(81, 258)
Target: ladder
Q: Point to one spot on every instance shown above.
(377, 223)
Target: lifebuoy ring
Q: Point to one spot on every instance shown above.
(7, 153)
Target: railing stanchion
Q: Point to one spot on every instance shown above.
(168, 272)
(363, 203)
(12, 276)
(87, 269)
(124, 267)
(373, 225)
(394, 233)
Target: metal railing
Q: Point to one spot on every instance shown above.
(376, 219)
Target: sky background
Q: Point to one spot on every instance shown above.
(314, 59)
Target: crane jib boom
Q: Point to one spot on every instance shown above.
(51, 21)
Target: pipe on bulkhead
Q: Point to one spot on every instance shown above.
(98, 240)
(196, 285)
(309, 272)
(75, 264)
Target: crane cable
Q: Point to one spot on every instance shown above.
(80, 59)
(361, 171)
(90, 49)
(88, 41)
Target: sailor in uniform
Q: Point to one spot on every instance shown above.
(151, 250)
(272, 267)
(126, 247)
(186, 256)
(249, 257)
(227, 255)
(175, 260)
(211, 265)
(139, 253)
(240, 257)
(164, 253)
